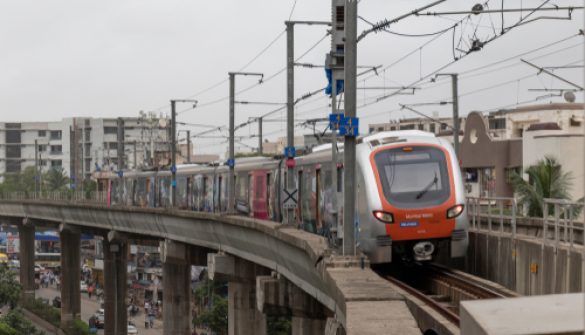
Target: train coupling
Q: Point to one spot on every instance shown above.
(423, 251)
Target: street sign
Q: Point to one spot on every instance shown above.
(290, 152)
(173, 168)
(231, 163)
(335, 120)
(349, 126)
(290, 199)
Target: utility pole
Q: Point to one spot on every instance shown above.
(135, 165)
(173, 154)
(120, 148)
(335, 62)
(260, 136)
(290, 95)
(188, 147)
(455, 102)
(349, 150)
(290, 151)
(173, 135)
(231, 160)
(36, 167)
(120, 152)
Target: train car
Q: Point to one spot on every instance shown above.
(410, 197)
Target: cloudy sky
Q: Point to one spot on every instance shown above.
(115, 58)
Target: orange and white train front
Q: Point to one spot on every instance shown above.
(413, 197)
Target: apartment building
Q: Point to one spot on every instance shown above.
(82, 145)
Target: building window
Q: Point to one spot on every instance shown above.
(13, 151)
(497, 123)
(13, 166)
(371, 130)
(113, 145)
(43, 162)
(407, 127)
(432, 128)
(421, 126)
(13, 136)
(510, 172)
(443, 126)
(110, 130)
(55, 134)
(56, 149)
(392, 128)
(56, 163)
(41, 148)
(42, 133)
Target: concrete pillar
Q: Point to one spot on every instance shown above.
(176, 288)
(70, 277)
(276, 295)
(306, 326)
(26, 235)
(243, 316)
(115, 278)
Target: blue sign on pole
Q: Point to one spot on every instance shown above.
(290, 152)
(335, 120)
(173, 169)
(349, 126)
(174, 184)
(231, 162)
(120, 173)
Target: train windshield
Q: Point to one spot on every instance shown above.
(413, 177)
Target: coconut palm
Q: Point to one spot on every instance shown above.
(546, 179)
(56, 179)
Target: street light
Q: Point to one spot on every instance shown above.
(174, 145)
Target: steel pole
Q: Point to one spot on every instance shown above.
(173, 153)
(334, 186)
(290, 93)
(454, 82)
(260, 136)
(349, 164)
(231, 181)
(36, 167)
(135, 165)
(188, 147)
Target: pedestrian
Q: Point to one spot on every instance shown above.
(90, 291)
(146, 321)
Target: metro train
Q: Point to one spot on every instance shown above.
(409, 202)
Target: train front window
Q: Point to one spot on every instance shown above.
(413, 177)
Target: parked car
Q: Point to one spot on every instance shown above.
(99, 321)
(83, 286)
(57, 302)
(132, 330)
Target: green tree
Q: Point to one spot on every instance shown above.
(16, 320)
(210, 298)
(9, 287)
(5, 329)
(278, 325)
(55, 180)
(19, 182)
(546, 179)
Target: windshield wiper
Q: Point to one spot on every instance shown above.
(428, 187)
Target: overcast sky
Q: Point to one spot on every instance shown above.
(114, 58)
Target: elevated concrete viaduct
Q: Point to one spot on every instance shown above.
(270, 269)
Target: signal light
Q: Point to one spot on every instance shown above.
(407, 149)
(384, 216)
(455, 211)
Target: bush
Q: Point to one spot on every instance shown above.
(79, 328)
(5, 329)
(16, 320)
(44, 311)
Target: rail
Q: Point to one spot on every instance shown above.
(96, 197)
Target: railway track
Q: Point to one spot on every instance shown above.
(442, 288)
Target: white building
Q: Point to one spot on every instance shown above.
(82, 145)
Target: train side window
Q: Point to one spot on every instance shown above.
(268, 202)
(249, 192)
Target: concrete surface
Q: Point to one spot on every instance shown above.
(548, 314)
(299, 256)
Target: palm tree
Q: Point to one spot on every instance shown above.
(545, 180)
(56, 179)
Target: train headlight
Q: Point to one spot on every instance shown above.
(454, 211)
(384, 216)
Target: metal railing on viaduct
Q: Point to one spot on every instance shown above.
(270, 268)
